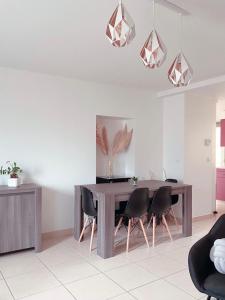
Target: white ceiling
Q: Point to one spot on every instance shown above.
(67, 37)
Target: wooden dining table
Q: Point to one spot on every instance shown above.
(108, 195)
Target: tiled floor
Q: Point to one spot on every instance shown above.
(66, 271)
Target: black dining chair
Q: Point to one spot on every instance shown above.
(202, 271)
(174, 200)
(136, 208)
(90, 211)
(159, 207)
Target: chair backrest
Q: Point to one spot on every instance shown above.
(200, 265)
(218, 230)
(161, 201)
(87, 202)
(175, 198)
(138, 203)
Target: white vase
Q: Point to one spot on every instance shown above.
(13, 182)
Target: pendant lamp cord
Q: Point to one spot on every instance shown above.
(153, 13)
(181, 32)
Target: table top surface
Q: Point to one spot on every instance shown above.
(125, 187)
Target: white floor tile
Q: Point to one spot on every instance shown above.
(31, 283)
(125, 296)
(110, 263)
(131, 276)
(161, 266)
(184, 282)
(60, 255)
(69, 272)
(140, 253)
(59, 293)
(18, 264)
(180, 255)
(4, 291)
(94, 288)
(160, 290)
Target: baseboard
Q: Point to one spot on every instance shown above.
(197, 219)
(57, 234)
(202, 218)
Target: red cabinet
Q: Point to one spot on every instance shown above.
(222, 126)
(220, 184)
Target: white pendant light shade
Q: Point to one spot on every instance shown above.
(180, 72)
(121, 28)
(154, 52)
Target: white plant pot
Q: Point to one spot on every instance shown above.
(13, 182)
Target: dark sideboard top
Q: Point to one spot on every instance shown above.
(113, 179)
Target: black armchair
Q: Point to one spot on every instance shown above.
(203, 273)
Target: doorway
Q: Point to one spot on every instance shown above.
(220, 156)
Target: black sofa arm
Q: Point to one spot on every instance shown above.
(200, 265)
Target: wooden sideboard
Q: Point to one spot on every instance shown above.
(20, 218)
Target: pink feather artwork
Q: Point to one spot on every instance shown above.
(120, 143)
(102, 138)
(122, 140)
(105, 140)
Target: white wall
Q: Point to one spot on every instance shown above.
(200, 120)
(189, 120)
(48, 127)
(173, 136)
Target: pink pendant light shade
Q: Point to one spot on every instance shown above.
(180, 73)
(154, 52)
(121, 28)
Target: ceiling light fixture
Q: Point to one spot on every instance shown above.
(121, 31)
(154, 52)
(120, 28)
(180, 72)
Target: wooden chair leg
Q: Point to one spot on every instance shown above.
(149, 224)
(175, 219)
(144, 233)
(82, 232)
(153, 234)
(118, 226)
(167, 227)
(128, 234)
(92, 234)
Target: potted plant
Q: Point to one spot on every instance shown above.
(133, 180)
(13, 171)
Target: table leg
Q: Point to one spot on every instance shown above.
(106, 222)
(78, 213)
(187, 211)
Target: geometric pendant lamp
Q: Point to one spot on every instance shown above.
(120, 28)
(180, 73)
(154, 52)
